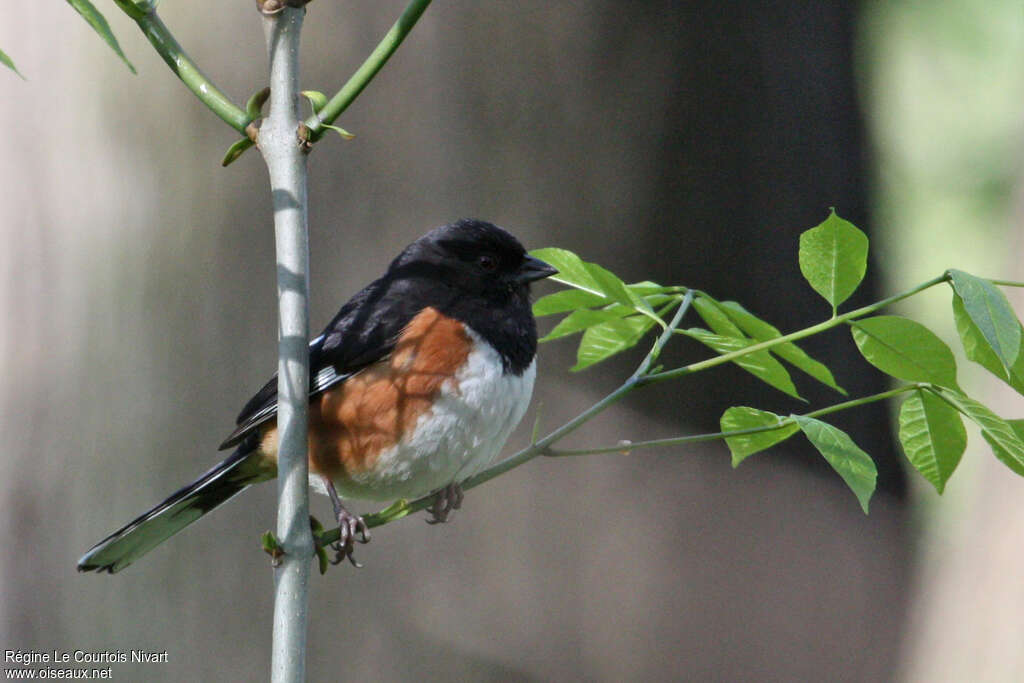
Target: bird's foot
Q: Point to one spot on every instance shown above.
(351, 528)
(445, 500)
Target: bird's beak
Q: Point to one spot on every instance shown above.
(534, 269)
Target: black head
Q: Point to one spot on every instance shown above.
(479, 274)
(476, 258)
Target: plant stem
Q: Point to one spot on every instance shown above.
(806, 332)
(356, 83)
(359, 80)
(286, 163)
(626, 447)
(185, 69)
(867, 399)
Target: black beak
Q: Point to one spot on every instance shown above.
(534, 269)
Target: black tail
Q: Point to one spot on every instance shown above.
(118, 550)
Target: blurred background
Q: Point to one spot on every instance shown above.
(688, 143)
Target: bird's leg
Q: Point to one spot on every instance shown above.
(445, 500)
(349, 526)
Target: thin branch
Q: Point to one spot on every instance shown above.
(794, 336)
(881, 396)
(286, 163)
(628, 446)
(185, 69)
(316, 125)
(365, 73)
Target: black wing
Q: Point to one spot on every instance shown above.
(363, 332)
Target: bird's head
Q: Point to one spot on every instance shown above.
(474, 257)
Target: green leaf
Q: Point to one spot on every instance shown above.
(1004, 438)
(611, 286)
(834, 258)
(607, 339)
(321, 553)
(254, 105)
(137, 9)
(653, 300)
(317, 99)
(991, 313)
(590, 277)
(728, 337)
(575, 299)
(905, 349)
(9, 63)
(345, 135)
(719, 322)
(646, 288)
(236, 150)
(272, 547)
(1009, 457)
(854, 465)
(567, 300)
(758, 363)
(978, 350)
(933, 436)
(744, 445)
(577, 321)
(100, 25)
(571, 269)
(788, 351)
(322, 561)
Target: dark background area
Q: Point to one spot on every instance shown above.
(688, 143)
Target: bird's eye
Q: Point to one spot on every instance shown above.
(487, 262)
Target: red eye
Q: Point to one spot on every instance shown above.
(487, 262)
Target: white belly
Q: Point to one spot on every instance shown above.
(461, 434)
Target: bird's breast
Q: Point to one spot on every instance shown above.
(436, 410)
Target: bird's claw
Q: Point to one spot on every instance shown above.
(351, 529)
(445, 500)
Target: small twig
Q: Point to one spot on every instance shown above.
(365, 73)
(181, 64)
(794, 336)
(316, 125)
(714, 436)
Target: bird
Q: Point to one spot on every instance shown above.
(415, 385)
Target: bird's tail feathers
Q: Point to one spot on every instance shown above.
(241, 469)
